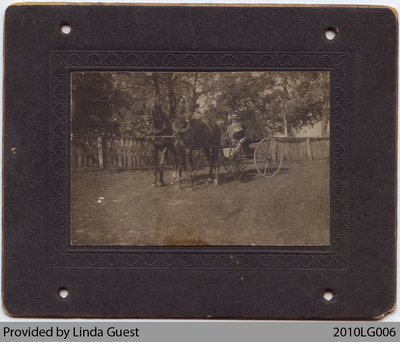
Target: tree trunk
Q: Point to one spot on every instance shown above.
(285, 124)
(156, 87)
(325, 126)
(172, 99)
(291, 132)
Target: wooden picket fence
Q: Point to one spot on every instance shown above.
(105, 152)
(88, 153)
(304, 148)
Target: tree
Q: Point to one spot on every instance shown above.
(93, 97)
(283, 101)
(280, 102)
(307, 99)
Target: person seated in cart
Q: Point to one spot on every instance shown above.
(236, 131)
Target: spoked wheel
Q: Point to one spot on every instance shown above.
(225, 159)
(234, 160)
(267, 157)
(237, 161)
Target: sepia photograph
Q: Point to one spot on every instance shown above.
(200, 158)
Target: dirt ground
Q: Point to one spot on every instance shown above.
(289, 209)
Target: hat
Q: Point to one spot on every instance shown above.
(234, 116)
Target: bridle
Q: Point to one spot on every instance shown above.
(180, 130)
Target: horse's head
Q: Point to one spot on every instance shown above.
(187, 107)
(157, 120)
(180, 125)
(190, 105)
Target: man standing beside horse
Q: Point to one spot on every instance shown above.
(160, 136)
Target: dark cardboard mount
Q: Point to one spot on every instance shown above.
(206, 282)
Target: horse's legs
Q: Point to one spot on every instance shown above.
(180, 172)
(210, 161)
(189, 159)
(177, 161)
(155, 161)
(212, 158)
(161, 166)
(174, 177)
(216, 157)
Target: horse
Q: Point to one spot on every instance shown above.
(160, 136)
(197, 134)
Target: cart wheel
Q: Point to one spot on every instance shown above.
(237, 161)
(226, 163)
(267, 157)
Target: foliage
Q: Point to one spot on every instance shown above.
(120, 102)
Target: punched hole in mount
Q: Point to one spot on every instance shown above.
(66, 29)
(328, 295)
(63, 293)
(331, 33)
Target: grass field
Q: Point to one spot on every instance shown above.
(122, 208)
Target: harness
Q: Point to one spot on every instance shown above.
(158, 131)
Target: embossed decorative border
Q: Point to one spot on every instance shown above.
(63, 255)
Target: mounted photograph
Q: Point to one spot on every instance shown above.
(199, 162)
(200, 158)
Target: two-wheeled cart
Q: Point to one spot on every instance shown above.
(265, 153)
